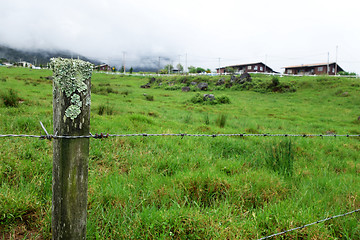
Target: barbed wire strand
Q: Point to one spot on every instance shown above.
(307, 225)
(102, 135)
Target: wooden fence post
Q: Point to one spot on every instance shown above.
(71, 113)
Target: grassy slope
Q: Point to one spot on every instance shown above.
(191, 188)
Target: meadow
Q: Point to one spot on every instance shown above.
(190, 187)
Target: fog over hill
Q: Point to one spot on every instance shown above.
(38, 56)
(42, 57)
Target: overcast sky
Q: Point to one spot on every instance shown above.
(278, 32)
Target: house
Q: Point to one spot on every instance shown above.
(24, 64)
(103, 67)
(314, 69)
(248, 68)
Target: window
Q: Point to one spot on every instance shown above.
(333, 70)
(289, 71)
(261, 68)
(249, 67)
(255, 68)
(320, 69)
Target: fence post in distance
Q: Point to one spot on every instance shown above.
(71, 117)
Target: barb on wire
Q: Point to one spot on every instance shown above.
(48, 136)
(307, 225)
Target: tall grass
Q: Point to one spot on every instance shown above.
(10, 98)
(221, 120)
(280, 158)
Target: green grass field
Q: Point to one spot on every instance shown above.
(191, 187)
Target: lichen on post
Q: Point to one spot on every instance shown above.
(71, 109)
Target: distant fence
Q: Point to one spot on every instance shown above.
(216, 74)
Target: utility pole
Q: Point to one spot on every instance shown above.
(159, 65)
(124, 55)
(336, 59)
(186, 69)
(219, 67)
(265, 63)
(327, 70)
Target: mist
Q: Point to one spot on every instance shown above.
(199, 33)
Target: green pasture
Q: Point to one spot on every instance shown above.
(191, 187)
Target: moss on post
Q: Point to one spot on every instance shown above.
(71, 109)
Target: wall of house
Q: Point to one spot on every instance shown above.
(317, 70)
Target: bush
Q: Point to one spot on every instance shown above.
(197, 99)
(10, 99)
(223, 99)
(173, 88)
(200, 99)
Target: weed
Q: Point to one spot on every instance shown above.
(125, 92)
(10, 99)
(188, 118)
(280, 158)
(206, 119)
(221, 120)
(149, 97)
(105, 109)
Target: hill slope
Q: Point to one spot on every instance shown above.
(37, 56)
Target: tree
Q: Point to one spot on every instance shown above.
(200, 70)
(122, 69)
(180, 67)
(192, 69)
(169, 68)
(131, 70)
(229, 70)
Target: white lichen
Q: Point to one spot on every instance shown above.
(72, 111)
(70, 76)
(75, 100)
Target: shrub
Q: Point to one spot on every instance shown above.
(200, 99)
(223, 99)
(197, 98)
(10, 99)
(173, 88)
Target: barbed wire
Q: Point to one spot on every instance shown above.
(103, 135)
(307, 225)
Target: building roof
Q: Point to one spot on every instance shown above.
(311, 65)
(102, 65)
(247, 64)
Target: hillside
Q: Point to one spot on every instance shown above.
(39, 56)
